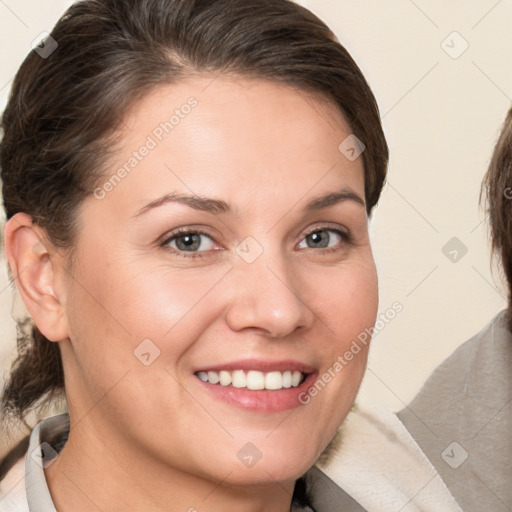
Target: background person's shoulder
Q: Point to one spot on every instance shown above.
(462, 418)
(476, 379)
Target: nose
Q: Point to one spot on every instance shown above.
(265, 295)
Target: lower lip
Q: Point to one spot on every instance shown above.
(261, 400)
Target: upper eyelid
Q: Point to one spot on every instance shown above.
(328, 227)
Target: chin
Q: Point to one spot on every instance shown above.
(265, 475)
(273, 467)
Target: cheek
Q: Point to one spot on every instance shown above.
(118, 307)
(353, 319)
(345, 300)
(347, 311)
(121, 320)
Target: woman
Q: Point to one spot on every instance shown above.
(187, 186)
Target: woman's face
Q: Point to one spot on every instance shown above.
(273, 276)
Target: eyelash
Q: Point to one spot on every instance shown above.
(346, 237)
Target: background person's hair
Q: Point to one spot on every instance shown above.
(60, 121)
(497, 192)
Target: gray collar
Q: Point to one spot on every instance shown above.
(39, 456)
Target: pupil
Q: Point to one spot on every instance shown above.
(189, 242)
(319, 237)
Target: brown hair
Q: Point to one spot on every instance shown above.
(497, 193)
(63, 111)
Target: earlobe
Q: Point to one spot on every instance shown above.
(36, 269)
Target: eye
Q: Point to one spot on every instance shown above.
(323, 238)
(189, 241)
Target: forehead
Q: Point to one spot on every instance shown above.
(250, 140)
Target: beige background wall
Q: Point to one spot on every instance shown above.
(441, 112)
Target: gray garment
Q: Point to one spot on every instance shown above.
(462, 420)
(44, 446)
(327, 496)
(40, 455)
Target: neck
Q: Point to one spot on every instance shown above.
(99, 470)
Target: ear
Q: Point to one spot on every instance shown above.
(37, 269)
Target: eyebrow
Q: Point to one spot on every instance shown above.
(216, 206)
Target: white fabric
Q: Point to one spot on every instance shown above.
(380, 465)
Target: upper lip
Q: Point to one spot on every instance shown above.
(260, 365)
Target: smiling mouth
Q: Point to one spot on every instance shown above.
(253, 379)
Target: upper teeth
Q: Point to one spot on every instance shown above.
(253, 379)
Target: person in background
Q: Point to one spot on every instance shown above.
(462, 417)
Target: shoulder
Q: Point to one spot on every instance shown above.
(462, 418)
(471, 386)
(483, 360)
